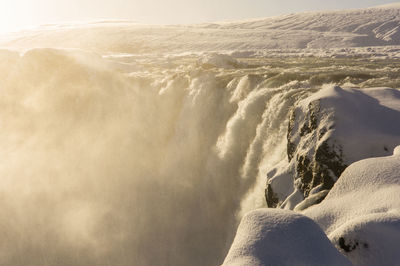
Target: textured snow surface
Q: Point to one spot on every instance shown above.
(280, 237)
(377, 26)
(363, 209)
(365, 120)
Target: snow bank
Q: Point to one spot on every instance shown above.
(279, 237)
(361, 214)
(364, 120)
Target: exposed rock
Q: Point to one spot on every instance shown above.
(271, 197)
(318, 158)
(327, 132)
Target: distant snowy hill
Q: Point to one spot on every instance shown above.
(363, 27)
(377, 26)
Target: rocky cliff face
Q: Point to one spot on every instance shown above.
(315, 158)
(318, 158)
(326, 133)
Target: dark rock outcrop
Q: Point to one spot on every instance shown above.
(318, 159)
(327, 132)
(271, 197)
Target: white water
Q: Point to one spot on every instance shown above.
(107, 162)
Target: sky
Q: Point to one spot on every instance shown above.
(16, 14)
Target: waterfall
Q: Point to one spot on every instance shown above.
(105, 162)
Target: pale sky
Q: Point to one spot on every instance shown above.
(15, 14)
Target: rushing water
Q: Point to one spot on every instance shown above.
(121, 160)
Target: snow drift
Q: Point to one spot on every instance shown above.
(361, 214)
(278, 237)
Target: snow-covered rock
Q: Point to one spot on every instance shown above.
(280, 237)
(361, 214)
(327, 132)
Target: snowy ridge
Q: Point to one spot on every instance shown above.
(378, 26)
(365, 27)
(391, 5)
(365, 204)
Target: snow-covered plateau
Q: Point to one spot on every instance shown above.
(130, 144)
(345, 33)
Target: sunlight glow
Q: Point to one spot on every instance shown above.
(17, 14)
